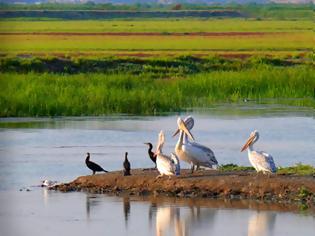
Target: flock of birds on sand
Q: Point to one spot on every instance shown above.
(195, 154)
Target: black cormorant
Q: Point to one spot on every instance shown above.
(126, 165)
(152, 155)
(93, 166)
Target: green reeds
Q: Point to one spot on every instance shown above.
(35, 94)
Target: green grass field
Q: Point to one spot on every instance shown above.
(98, 94)
(159, 25)
(85, 43)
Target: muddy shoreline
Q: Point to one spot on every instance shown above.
(203, 184)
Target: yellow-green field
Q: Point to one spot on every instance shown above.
(162, 25)
(50, 42)
(157, 36)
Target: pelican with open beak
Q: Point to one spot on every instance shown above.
(189, 123)
(261, 161)
(193, 153)
(166, 165)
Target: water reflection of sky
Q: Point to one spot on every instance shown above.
(52, 213)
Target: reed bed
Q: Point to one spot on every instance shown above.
(47, 94)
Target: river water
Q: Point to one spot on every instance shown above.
(35, 149)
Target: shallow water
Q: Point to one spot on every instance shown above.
(36, 149)
(50, 213)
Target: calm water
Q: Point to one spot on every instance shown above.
(36, 149)
(49, 213)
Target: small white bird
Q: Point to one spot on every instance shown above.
(49, 183)
(260, 160)
(166, 165)
(192, 152)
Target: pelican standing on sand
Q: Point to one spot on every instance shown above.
(166, 165)
(261, 161)
(93, 166)
(192, 152)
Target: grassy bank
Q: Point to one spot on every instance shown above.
(157, 67)
(34, 94)
(298, 169)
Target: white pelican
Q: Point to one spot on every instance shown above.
(166, 165)
(261, 161)
(192, 152)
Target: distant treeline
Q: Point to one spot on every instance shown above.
(160, 68)
(272, 10)
(109, 14)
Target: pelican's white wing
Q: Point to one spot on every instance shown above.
(201, 154)
(263, 161)
(165, 165)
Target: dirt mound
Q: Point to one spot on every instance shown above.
(205, 184)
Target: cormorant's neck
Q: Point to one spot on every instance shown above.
(150, 148)
(87, 158)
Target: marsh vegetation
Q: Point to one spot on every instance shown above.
(53, 67)
(47, 94)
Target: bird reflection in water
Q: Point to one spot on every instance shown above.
(261, 223)
(152, 211)
(91, 201)
(167, 219)
(45, 196)
(126, 207)
(175, 220)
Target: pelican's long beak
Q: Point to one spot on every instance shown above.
(189, 122)
(248, 142)
(182, 126)
(176, 132)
